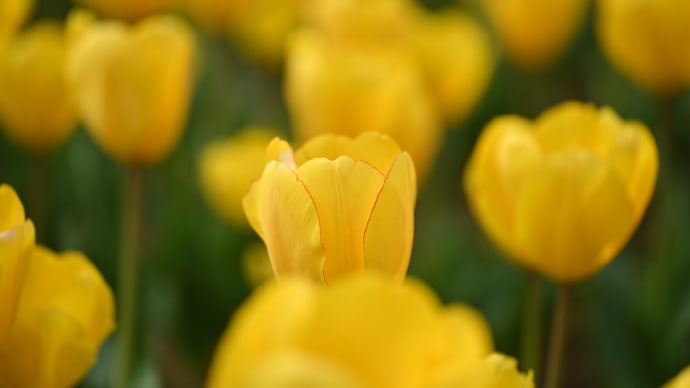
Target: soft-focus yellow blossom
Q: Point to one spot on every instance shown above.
(359, 332)
(681, 380)
(256, 266)
(335, 207)
(647, 41)
(261, 27)
(455, 55)
(127, 9)
(13, 13)
(535, 33)
(228, 167)
(65, 312)
(497, 371)
(564, 193)
(37, 108)
(17, 239)
(133, 85)
(211, 14)
(355, 89)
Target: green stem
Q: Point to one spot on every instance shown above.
(127, 276)
(530, 347)
(554, 359)
(37, 196)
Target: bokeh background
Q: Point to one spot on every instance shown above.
(630, 322)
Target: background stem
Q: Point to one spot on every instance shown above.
(554, 358)
(530, 347)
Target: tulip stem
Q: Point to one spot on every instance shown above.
(554, 359)
(37, 199)
(127, 275)
(530, 348)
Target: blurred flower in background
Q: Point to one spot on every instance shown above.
(55, 310)
(133, 85)
(682, 380)
(592, 172)
(647, 41)
(335, 207)
(227, 168)
(37, 107)
(127, 9)
(256, 265)
(535, 33)
(360, 332)
(13, 13)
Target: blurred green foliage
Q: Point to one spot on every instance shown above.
(630, 323)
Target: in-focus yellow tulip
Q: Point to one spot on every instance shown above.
(354, 89)
(337, 206)
(127, 9)
(54, 311)
(37, 108)
(535, 33)
(682, 380)
(564, 193)
(361, 332)
(227, 168)
(13, 13)
(455, 55)
(133, 85)
(647, 41)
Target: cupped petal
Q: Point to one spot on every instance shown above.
(280, 150)
(11, 208)
(16, 247)
(282, 212)
(505, 155)
(390, 229)
(573, 215)
(344, 193)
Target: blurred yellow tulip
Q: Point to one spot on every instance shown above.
(681, 380)
(133, 85)
(497, 371)
(564, 193)
(211, 14)
(335, 207)
(127, 9)
(227, 168)
(535, 33)
(361, 332)
(13, 13)
(349, 90)
(256, 265)
(647, 41)
(455, 54)
(36, 105)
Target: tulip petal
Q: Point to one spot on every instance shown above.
(504, 156)
(11, 209)
(281, 211)
(16, 246)
(390, 229)
(344, 193)
(572, 216)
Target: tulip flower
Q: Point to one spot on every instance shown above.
(361, 332)
(36, 105)
(455, 55)
(335, 207)
(535, 33)
(354, 89)
(682, 380)
(647, 41)
(13, 13)
(211, 14)
(564, 193)
(228, 167)
(133, 85)
(127, 9)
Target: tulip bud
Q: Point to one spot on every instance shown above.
(337, 206)
(36, 105)
(564, 193)
(133, 85)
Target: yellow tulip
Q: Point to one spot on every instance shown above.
(13, 13)
(36, 104)
(682, 380)
(564, 193)
(256, 266)
(228, 167)
(455, 55)
(335, 207)
(127, 9)
(354, 89)
(133, 85)
(361, 332)
(647, 41)
(211, 14)
(535, 33)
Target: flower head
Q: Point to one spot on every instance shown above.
(564, 193)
